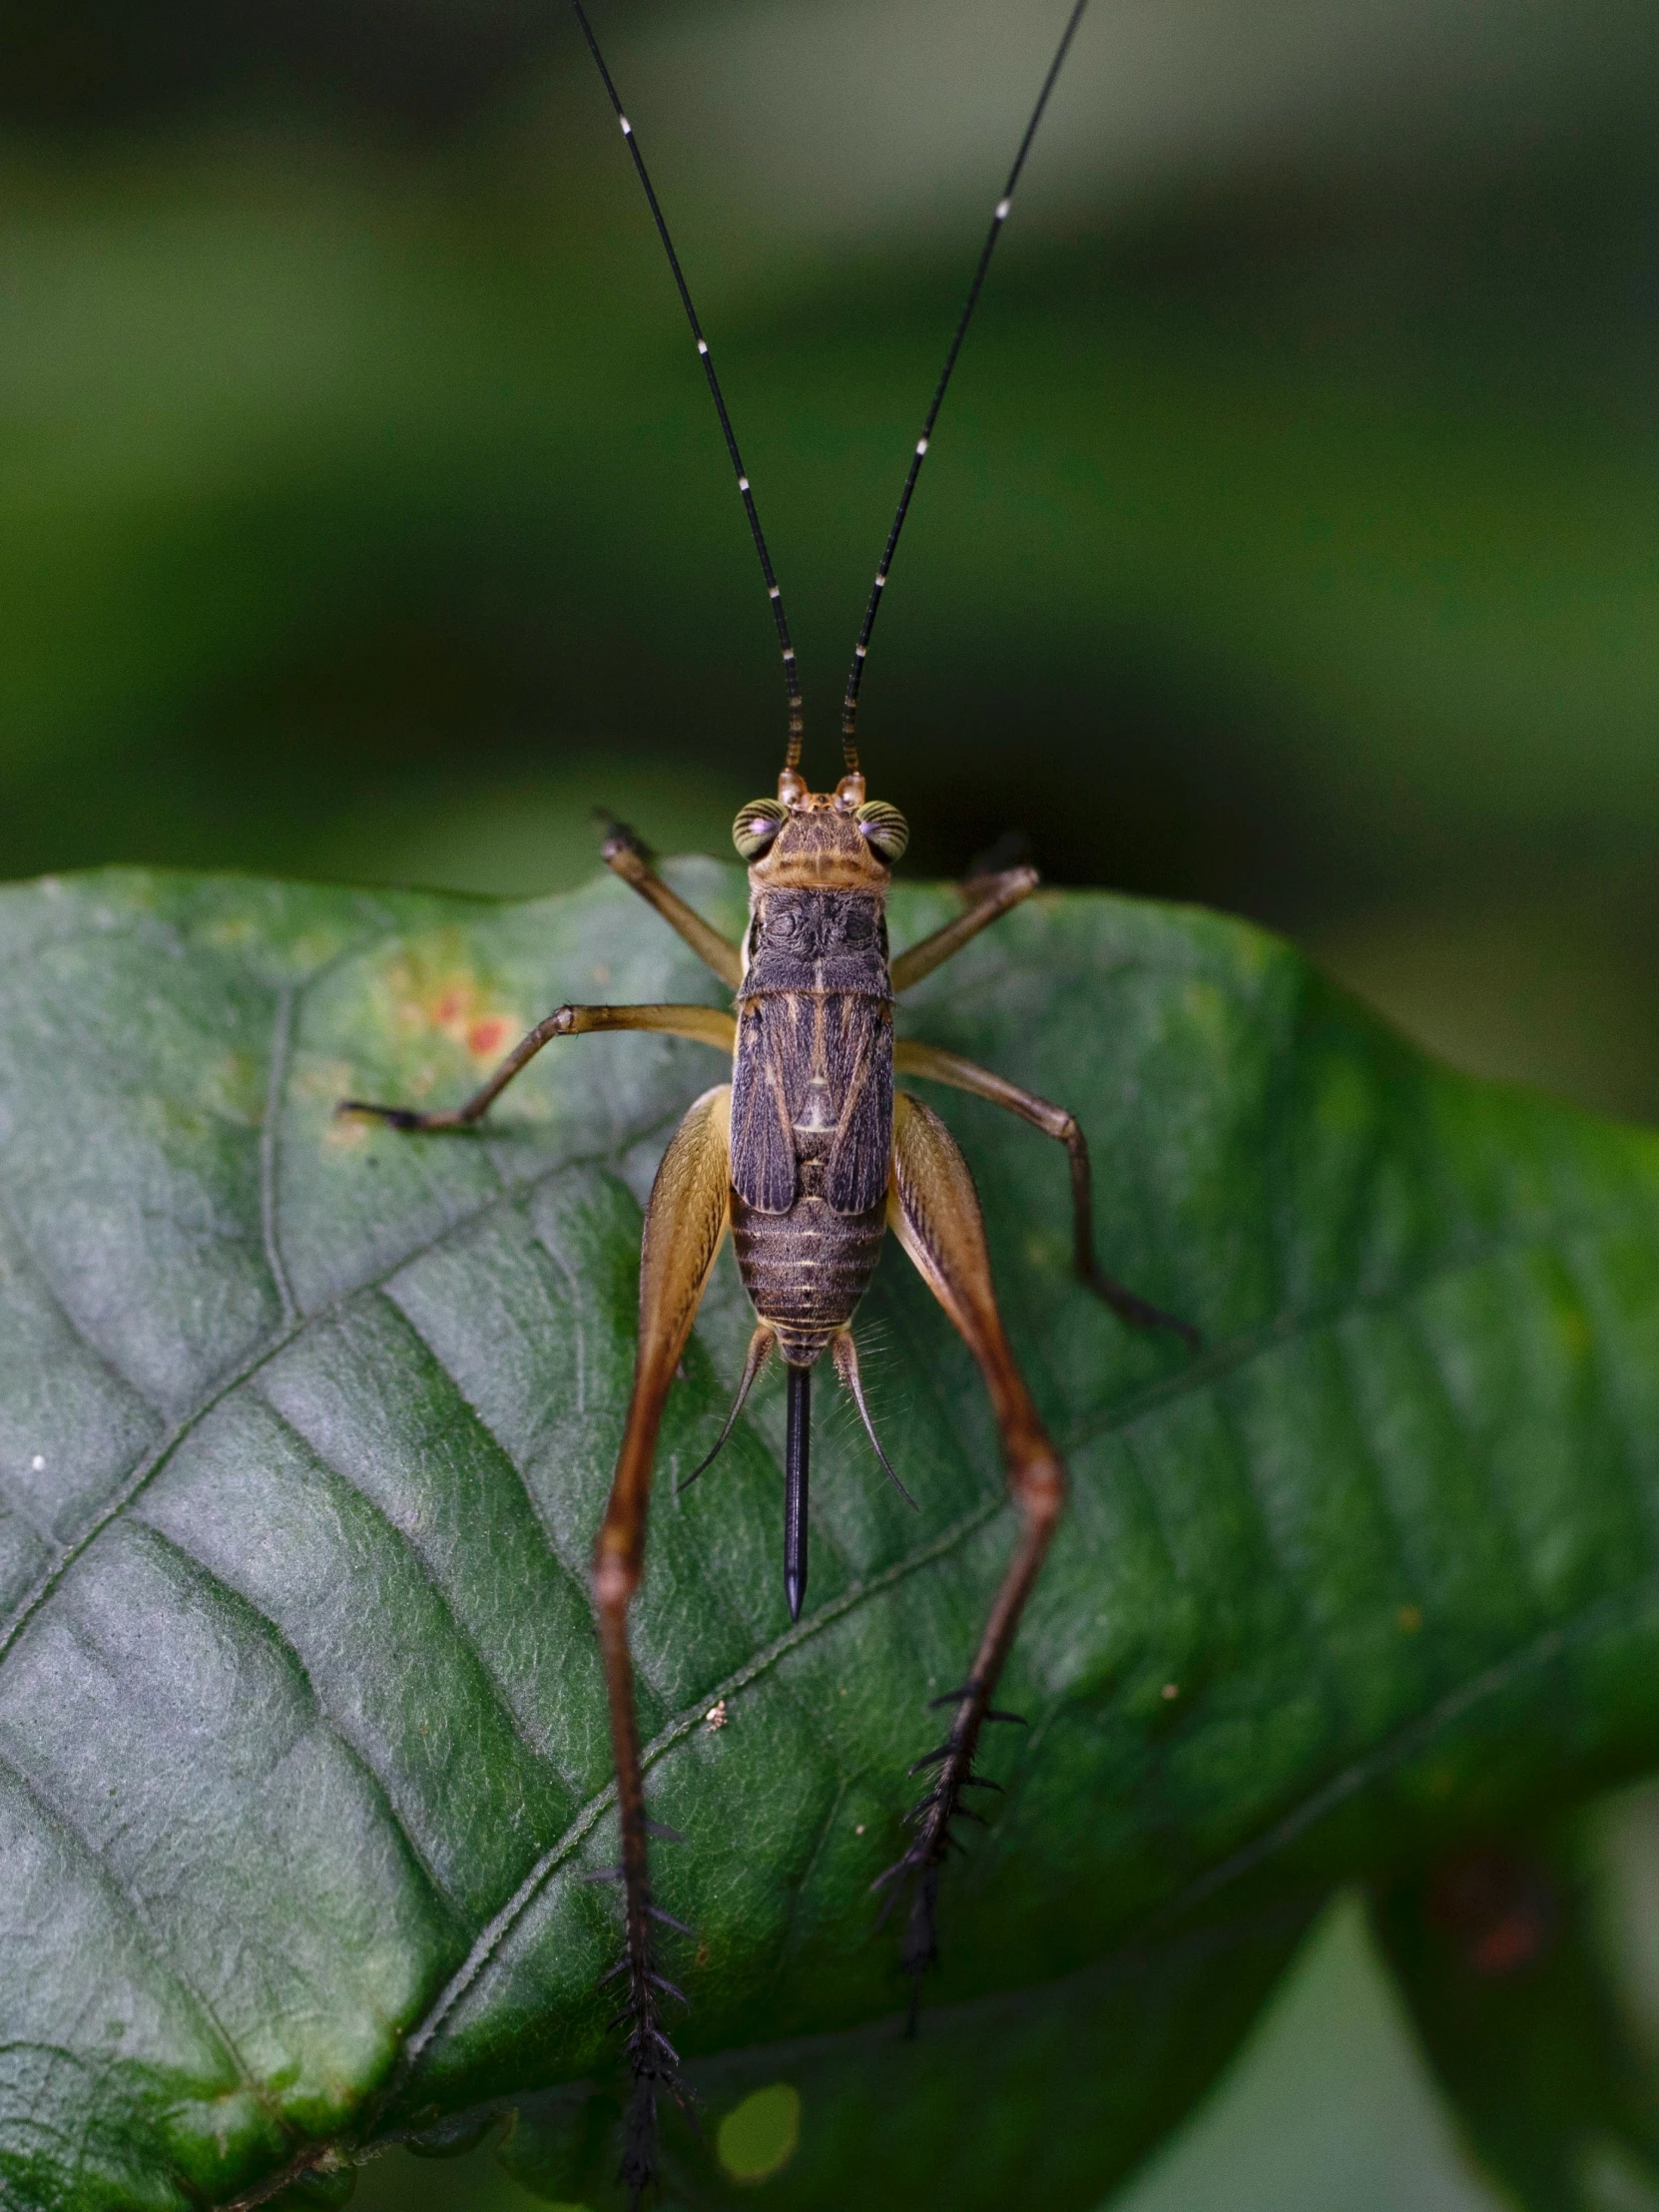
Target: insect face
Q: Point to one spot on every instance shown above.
(820, 850)
(820, 840)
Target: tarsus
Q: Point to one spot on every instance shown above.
(652, 2059)
(916, 1873)
(849, 706)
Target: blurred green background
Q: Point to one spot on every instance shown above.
(1291, 540)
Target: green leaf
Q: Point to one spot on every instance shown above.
(1072, 2081)
(1517, 1972)
(306, 1428)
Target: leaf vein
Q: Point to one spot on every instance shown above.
(797, 1888)
(150, 1463)
(234, 1600)
(1611, 1390)
(281, 1029)
(67, 1314)
(1289, 1572)
(462, 1636)
(1415, 1736)
(1227, 1357)
(56, 1817)
(684, 1724)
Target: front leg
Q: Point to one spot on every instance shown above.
(991, 899)
(625, 856)
(685, 1223)
(934, 1212)
(701, 1024)
(930, 1061)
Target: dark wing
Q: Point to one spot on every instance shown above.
(859, 1055)
(764, 1081)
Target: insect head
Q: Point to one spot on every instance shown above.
(883, 828)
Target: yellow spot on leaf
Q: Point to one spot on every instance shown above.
(759, 2137)
(436, 993)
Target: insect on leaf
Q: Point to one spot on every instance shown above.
(306, 1427)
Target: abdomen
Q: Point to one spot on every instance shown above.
(805, 1270)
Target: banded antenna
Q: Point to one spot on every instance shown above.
(792, 679)
(849, 706)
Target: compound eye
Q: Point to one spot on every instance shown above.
(756, 826)
(883, 827)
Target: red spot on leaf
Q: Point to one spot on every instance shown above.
(487, 1038)
(1510, 1944)
(1500, 1911)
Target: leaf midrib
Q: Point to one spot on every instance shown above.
(682, 1725)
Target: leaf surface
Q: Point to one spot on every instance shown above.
(305, 1429)
(1522, 1960)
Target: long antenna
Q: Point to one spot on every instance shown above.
(849, 706)
(792, 680)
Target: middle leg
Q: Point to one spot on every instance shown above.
(989, 899)
(938, 1066)
(701, 1024)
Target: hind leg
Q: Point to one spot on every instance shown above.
(934, 1212)
(685, 1223)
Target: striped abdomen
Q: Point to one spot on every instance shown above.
(806, 1270)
